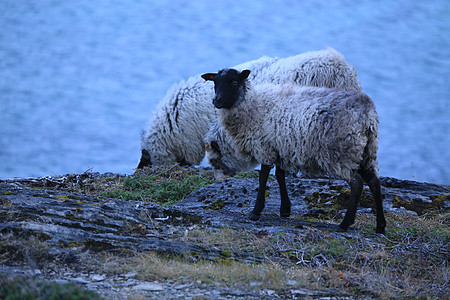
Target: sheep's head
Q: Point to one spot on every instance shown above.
(215, 158)
(229, 85)
(145, 160)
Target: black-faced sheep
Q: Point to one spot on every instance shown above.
(319, 131)
(325, 68)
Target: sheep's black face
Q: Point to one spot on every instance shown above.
(228, 84)
(145, 160)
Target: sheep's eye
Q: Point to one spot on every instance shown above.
(234, 82)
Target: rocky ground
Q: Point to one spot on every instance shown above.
(204, 247)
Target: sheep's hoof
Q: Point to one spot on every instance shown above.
(285, 215)
(254, 217)
(343, 227)
(380, 230)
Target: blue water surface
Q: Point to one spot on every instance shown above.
(79, 79)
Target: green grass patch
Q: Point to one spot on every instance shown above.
(22, 288)
(164, 185)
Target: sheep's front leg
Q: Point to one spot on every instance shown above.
(261, 198)
(356, 185)
(285, 209)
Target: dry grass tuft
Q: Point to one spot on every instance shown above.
(151, 266)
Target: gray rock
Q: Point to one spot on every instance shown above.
(149, 286)
(254, 284)
(97, 277)
(79, 280)
(182, 286)
(130, 274)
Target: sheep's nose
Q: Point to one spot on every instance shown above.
(217, 101)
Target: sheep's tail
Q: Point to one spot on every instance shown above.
(370, 162)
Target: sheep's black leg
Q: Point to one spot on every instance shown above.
(356, 185)
(261, 198)
(285, 209)
(375, 187)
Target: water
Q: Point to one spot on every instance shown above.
(80, 79)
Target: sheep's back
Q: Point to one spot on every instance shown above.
(319, 131)
(323, 68)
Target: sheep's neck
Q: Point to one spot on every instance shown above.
(239, 120)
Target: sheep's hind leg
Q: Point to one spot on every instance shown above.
(356, 185)
(285, 209)
(261, 198)
(375, 187)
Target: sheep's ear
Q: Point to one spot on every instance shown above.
(209, 76)
(244, 74)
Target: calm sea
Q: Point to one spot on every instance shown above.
(79, 79)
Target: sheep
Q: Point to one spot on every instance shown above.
(325, 68)
(319, 131)
(176, 131)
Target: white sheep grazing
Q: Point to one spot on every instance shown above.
(319, 131)
(325, 68)
(176, 130)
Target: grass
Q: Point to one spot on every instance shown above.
(150, 188)
(227, 273)
(22, 288)
(413, 258)
(150, 266)
(32, 249)
(163, 185)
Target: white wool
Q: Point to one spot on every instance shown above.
(176, 131)
(324, 68)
